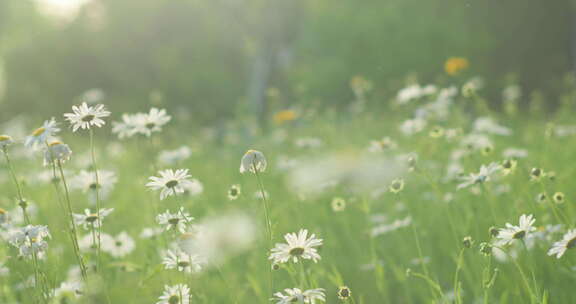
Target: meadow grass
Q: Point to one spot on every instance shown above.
(422, 261)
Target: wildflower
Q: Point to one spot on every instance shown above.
(56, 151)
(558, 197)
(568, 241)
(467, 241)
(176, 294)
(436, 132)
(514, 153)
(482, 176)
(253, 161)
(412, 126)
(541, 198)
(89, 241)
(219, 238)
(182, 261)
(90, 220)
(488, 125)
(30, 240)
(67, 292)
(536, 174)
(127, 127)
(485, 248)
(299, 246)
(338, 204)
(118, 246)
(174, 221)
(396, 185)
(41, 135)
(170, 182)
(85, 116)
(173, 157)
(193, 188)
(455, 65)
(308, 142)
(344, 293)
(385, 143)
(151, 122)
(284, 116)
(86, 182)
(234, 192)
(512, 232)
(508, 166)
(5, 141)
(493, 231)
(295, 295)
(148, 233)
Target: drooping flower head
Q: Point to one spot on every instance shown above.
(41, 135)
(5, 141)
(253, 161)
(56, 151)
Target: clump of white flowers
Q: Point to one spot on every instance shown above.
(30, 240)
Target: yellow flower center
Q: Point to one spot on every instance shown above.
(39, 131)
(174, 299)
(171, 184)
(88, 118)
(4, 137)
(296, 251)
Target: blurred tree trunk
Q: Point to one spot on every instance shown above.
(275, 38)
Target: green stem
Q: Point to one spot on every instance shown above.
(98, 203)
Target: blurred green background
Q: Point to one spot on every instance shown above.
(215, 59)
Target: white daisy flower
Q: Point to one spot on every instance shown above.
(174, 221)
(488, 125)
(91, 219)
(5, 141)
(85, 116)
(193, 188)
(118, 246)
(253, 161)
(295, 295)
(170, 182)
(150, 232)
(56, 151)
(234, 192)
(484, 175)
(177, 294)
(219, 238)
(182, 261)
(87, 242)
(153, 121)
(127, 127)
(173, 157)
(67, 292)
(299, 246)
(568, 241)
(41, 135)
(511, 232)
(30, 240)
(86, 182)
